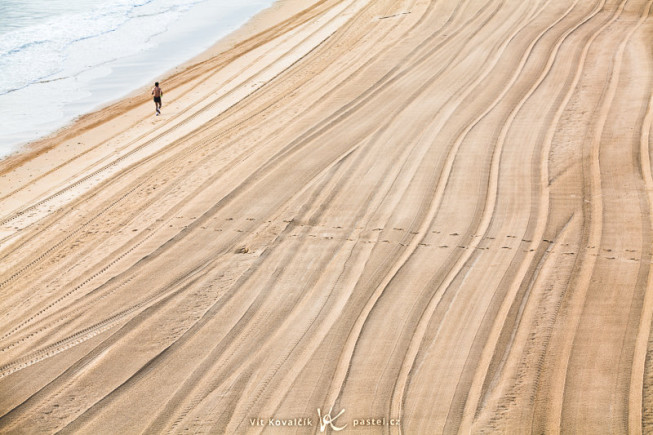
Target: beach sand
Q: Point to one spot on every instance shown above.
(429, 216)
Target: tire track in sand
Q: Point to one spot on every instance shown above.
(488, 211)
(549, 419)
(349, 348)
(475, 394)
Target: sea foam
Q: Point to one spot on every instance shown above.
(58, 65)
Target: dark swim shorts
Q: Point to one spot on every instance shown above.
(157, 99)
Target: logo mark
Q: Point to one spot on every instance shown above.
(327, 420)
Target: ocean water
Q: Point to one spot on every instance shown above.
(62, 58)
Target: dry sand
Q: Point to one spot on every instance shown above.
(437, 211)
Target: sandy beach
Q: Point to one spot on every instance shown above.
(387, 216)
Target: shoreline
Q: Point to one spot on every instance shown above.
(262, 20)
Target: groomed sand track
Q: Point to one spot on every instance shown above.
(438, 211)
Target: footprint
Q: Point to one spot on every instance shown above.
(454, 234)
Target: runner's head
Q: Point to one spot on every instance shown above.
(156, 84)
